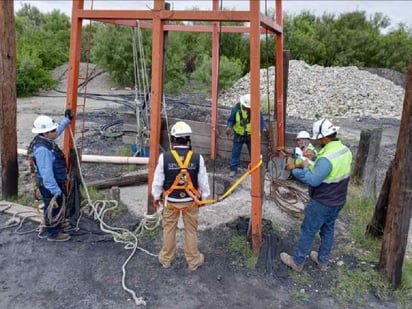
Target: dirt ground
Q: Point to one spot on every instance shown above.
(86, 272)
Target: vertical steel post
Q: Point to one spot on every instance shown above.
(156, 95)
(73, 73)
(279, 78)
(256, 192)
(215, 86)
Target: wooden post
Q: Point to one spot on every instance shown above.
(8, 101)
(377, 225)
(364, 171)
(400, 197)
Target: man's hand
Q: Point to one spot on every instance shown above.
(229, 132)
(309, 154)
(289, 166)
(156, 203)
(68, 114)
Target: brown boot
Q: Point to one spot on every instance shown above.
(288, 260)
(314, 258)
(59, 237)
(200, 263)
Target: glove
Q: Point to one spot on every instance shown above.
(229, 131)
(289, 167)
(68, 114)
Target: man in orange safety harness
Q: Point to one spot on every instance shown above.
(182, 179)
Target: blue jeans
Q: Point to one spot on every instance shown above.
(238, 142)
(318, 218)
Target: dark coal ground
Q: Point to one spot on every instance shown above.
(86, 271)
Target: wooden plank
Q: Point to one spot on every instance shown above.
(201, 139)
(21, 211)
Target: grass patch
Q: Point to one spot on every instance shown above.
(404, 294)
(151, 234)
(302, 278)
(355, 284)
(240, 245)
(26, 200)
(300, 295)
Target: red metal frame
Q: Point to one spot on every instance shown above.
(157, 19)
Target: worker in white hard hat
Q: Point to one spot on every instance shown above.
(48, 164)
(304, 150)
(328, 181)
(238, 126)
(181, 179)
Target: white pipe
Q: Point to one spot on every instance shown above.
(104, 159)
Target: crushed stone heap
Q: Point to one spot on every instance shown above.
(328, 92)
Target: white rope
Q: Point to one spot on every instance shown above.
(120, 235)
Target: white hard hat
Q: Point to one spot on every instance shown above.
(43, 124)
(323, 128)
(181, 129)
(245, 100)
(303, 134)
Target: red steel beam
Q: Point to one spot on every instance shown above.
(156, 98)
(73, 78)
(279, 78)
(238, 16)
(256, 192)
(215, 86)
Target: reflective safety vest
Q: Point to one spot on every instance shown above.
(333, 189)
(242, 121)
(309, 147)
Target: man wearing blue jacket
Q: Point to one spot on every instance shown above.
(51, 173)
(328, 181)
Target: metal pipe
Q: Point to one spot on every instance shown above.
(104, 159)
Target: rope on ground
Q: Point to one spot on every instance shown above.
(15, 220)
(99, 208)
(287, 196)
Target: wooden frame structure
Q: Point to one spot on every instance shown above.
(156, 19)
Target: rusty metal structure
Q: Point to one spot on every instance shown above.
(157, 19)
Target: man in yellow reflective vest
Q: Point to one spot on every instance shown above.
(328, 181)
(182, 185)
(304, 149)
(238, 126)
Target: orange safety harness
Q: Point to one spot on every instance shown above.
(183, 181)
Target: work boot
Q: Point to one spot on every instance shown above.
(66, 225)
(59, 237)
(42, 231)
(314, 258)
(200, 263)
(288, 260)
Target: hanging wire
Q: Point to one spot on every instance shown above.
(141, 89)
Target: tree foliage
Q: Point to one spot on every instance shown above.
(349, 39)
(42, 44)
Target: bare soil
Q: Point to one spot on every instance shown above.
(86, 272)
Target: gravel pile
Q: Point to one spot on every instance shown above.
(331, 92)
